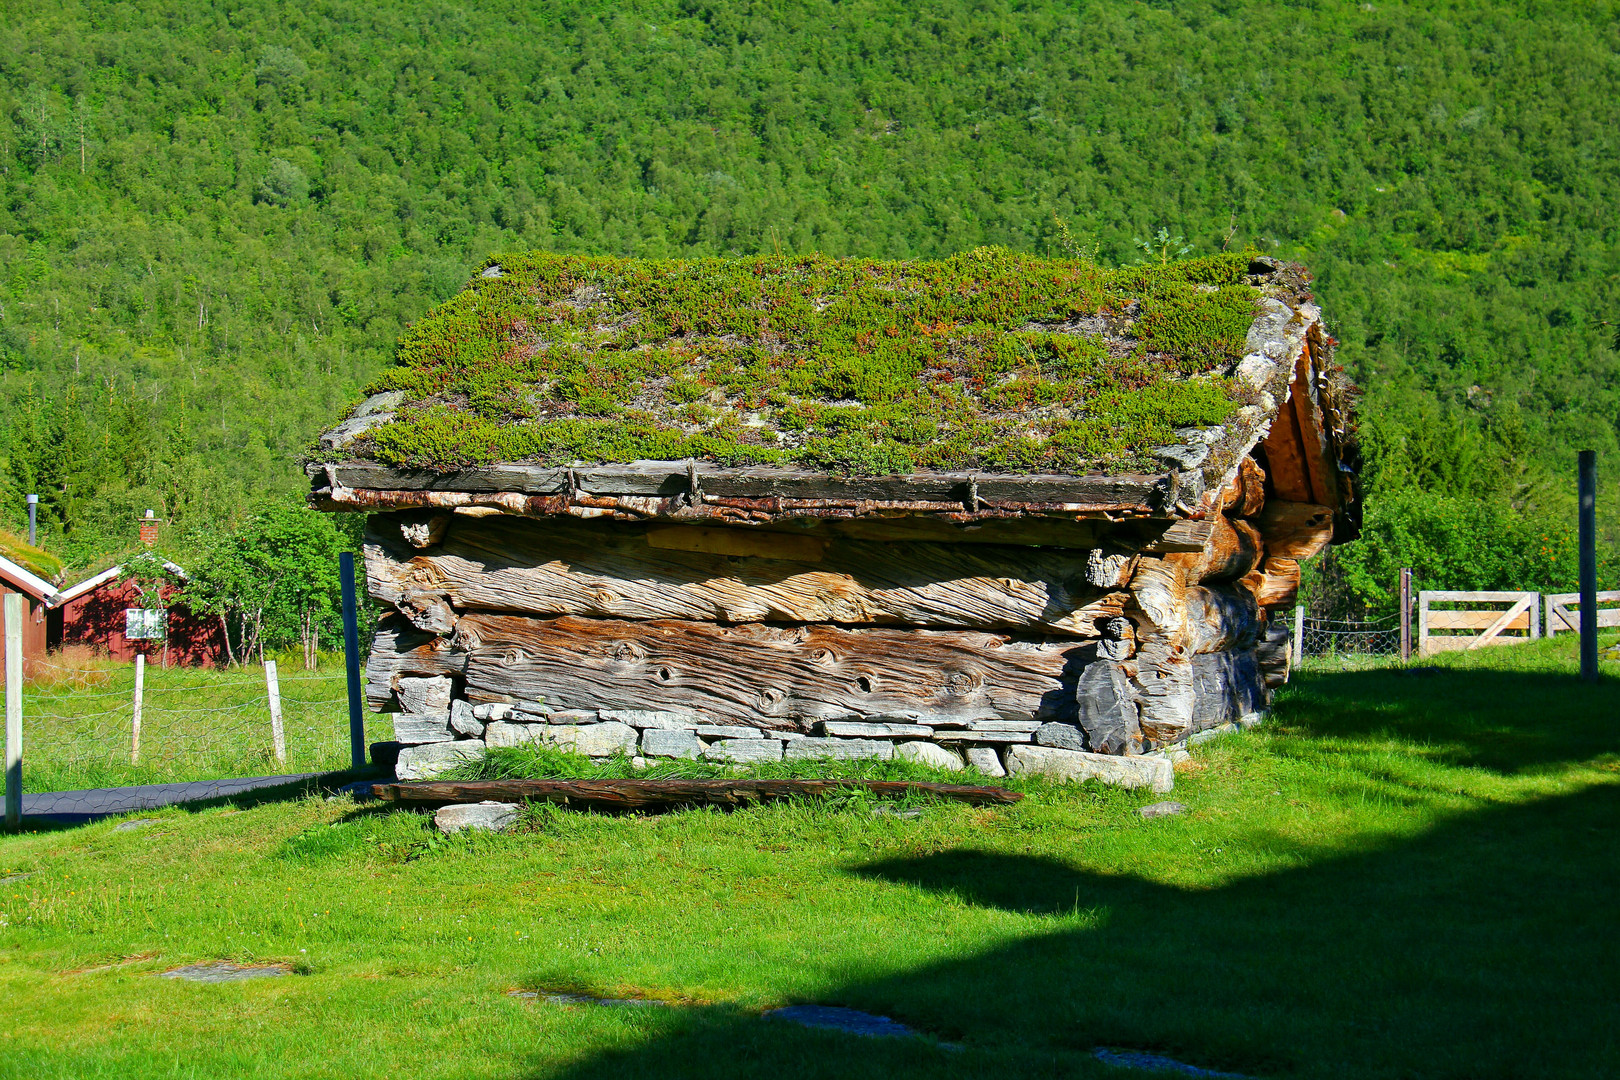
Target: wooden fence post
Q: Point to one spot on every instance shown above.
(272, 686)
(1299, 637)
(1406, 613)
(135, 725)
(1587, 488)
(1423, 623)
(14, 688)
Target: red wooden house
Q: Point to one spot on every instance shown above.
(108, 614)
(37, 594)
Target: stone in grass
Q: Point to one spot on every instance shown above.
(927, 753)
(1075, 766)
(488, 816)
(662, 742)
(653, 719)
(221, 971)
(852, 1021)
(431, 759)
(1162, 809)
(464, 719)
(744, 751)
(1135, 1059)
(986, 760)
(838, 749)
(413, 729)
(1067, 736)
(125, 826)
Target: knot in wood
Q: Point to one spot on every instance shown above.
(959, 683)
(627, 652)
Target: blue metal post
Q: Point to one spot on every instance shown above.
(351, 661)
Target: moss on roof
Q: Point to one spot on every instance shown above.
(989, 360)
(36, 561)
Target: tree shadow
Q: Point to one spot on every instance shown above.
(1505, 721)
(1483, 947)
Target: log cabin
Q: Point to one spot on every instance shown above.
(988, 510)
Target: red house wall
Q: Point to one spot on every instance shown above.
(33, 635)
(97, 619)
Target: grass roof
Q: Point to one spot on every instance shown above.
(990, 361)
(36, 561)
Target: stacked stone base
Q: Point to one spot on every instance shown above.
(447, 733)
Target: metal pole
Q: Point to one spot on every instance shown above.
(33, 520)
(1588, 523)
(1299, 636)
(351, 661)
(14, 688)
(1406, 613)
(135, 725)
(272, 687)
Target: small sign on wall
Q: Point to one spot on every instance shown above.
(145, 624)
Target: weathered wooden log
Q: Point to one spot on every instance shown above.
(1274, 654)
(605, 570)
(643, 794)
(1222, 617)
(1233, 550)
(400, 650)
(1226, 686)
(769, 676)
(1294, 530)
(1275, 584)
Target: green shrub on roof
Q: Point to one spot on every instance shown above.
(987, 360)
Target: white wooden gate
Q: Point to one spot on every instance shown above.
(1564, 612)
(1446, 628)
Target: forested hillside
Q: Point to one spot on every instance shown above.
(217, 218)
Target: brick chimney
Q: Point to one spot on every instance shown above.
(149, 529)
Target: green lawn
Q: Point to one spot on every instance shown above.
(1406, 874)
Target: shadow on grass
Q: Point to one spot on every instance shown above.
(1505, 721)
(1483, 948)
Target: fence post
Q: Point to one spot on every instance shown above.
(1587, 485)
(14, 688)
(1299, 637)
(272, 686)
(135, 725)
(351, 661)
(1406, 613)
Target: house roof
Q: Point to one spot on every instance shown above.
(789, 377)
(90, 584)
(26, 581)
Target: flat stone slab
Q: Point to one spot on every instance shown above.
(836, 1018)
(743, 751)
(727, 731)
(594, 740)
(838, 749)
(486, 816)
(678, 743)
(221, 971)
(1162, 809)
(1133, 1059)
(432, 759)
(986, 760)
(868, 730)
(1076, 766)
(413, 729)
(927, 753)
(658, 721)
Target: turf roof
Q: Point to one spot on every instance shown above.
(989, 360)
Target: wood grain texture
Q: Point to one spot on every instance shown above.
(1222, 618)
(768, 676)
(610, 570)
(1294, 530)
(645, 794)
(1275, 583)
(400, 650)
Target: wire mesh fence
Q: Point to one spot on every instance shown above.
(1359, 640)
(84, 726)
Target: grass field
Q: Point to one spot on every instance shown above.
(1405, 874)
(196, 723)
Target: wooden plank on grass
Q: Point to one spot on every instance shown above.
(642, 794)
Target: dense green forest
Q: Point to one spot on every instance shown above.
(216, 219)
